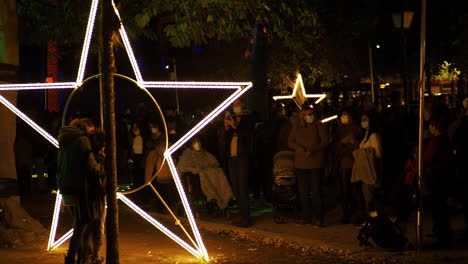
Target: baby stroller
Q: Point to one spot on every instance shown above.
(284, 194)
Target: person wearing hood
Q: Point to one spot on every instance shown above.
(76, 164)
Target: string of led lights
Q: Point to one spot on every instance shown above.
(239, 88)
(299, 91)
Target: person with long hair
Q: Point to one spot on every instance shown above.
(367, 163)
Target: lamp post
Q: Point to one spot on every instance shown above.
(402, 20)
(371, 69)
(422, 65)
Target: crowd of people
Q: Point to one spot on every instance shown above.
(368, 154)
(365, 161)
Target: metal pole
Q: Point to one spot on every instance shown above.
(371, 74)
(176, 90)
(405, 70)
(101, 83)
(422, 62)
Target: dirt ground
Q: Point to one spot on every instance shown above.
(265, 242)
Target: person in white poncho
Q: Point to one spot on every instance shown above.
(213, 181)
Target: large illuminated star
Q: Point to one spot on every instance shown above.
(239, 88)
(299, 95)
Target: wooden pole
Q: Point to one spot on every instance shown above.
(110, 26)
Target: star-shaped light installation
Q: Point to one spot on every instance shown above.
(299, 95)
(239, 89)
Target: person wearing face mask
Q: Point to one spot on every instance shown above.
(367, 165)
(154, 136)
(309, 141)
(461, 146)
(438, 158)
(239, 130)
(213, 182)
(345, 142)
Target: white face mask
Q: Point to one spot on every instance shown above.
(345, 119)
(309, 118)
(154, 130)
(197, 146)
(237, 109)
(365, 124)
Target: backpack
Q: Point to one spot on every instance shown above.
(384, 233)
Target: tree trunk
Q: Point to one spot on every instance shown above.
(110, 26)
(258, 67)
(14, 216)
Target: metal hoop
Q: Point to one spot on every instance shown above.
(65, 112)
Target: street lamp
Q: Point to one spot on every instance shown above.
(402, 20)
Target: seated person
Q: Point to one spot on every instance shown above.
(213, 181)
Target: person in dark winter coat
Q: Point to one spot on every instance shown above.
(75, 166)
(310, 141)
(346, 137)
(461, 145)
(95, 204)
(438, 156)
(239, 128)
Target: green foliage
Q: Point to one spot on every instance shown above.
(40, 22)
(446, 71)
(291, 28)
(65, 23)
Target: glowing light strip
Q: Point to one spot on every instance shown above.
(203, 252)
(202, 84)
(131, 56)
(31, 123)
(55, 218)
(182, 141)
(158, 225)
(87, 41)
(300, 85)
(55, 244)
(37, 86)
(208, 119)
(64, 238)
(329, 118)
(210, 85)
(169, 86)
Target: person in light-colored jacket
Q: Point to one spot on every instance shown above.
(370, 150)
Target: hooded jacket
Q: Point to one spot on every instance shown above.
(75, 162)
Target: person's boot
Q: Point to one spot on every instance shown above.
(322, 222)
(69, 259)
(98, 260)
